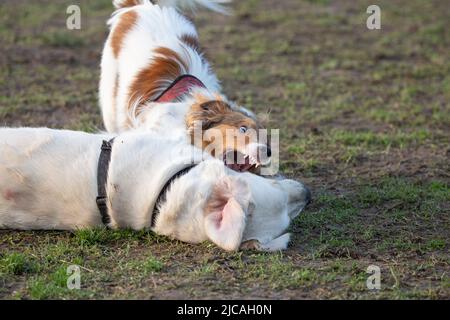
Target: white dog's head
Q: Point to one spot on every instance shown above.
(231, 209)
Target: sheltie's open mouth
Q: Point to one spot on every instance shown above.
(240, 162)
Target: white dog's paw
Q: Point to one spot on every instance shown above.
(280, 243)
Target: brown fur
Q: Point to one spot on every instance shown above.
(127, 21)
(218, 115)
(167, 65)
(128, 3)
(191, 41)
(250, 245)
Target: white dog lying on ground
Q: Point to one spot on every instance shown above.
(48, 180)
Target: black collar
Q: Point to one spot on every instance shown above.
(162, 194)
(102, 179)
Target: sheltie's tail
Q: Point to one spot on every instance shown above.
(214, 5)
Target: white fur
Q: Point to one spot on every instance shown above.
(48, 181)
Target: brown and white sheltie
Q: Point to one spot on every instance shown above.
(154, 77)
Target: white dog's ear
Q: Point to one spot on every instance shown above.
(226, 211)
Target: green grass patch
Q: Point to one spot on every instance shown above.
(337, 226)
(103, 236)
(407, 192)
(64, 38)
(372, 139)
(152, 265)
(348, 146)
(275, 270)
(55, 286)
(16, 263)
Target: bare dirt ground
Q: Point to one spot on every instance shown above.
(363, 118)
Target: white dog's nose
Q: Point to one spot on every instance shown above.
(299, 196)
(308, 197)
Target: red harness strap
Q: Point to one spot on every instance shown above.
(182, 85)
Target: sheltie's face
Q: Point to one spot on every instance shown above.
(228, 132)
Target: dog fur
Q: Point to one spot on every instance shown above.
(48, 180)
(148, 47)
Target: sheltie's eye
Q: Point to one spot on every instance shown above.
(243, 129)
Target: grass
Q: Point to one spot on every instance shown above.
(363, 118)
(152, 264)
(344, 223)
(16, 264)
(278, 272)
(390, 189)
(52, 286)
(62, 39)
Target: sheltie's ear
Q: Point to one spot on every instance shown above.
(208, 113)
(203, 115)
(226, 212)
